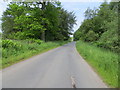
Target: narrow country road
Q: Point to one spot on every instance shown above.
(62, 67)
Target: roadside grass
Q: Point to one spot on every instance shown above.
(104, 62)
(12, 55)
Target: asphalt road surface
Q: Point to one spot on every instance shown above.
(62, 67)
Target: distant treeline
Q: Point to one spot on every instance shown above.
(47, 21)
(100, 26)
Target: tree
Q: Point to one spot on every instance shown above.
(49, 22)
(67, 21)
(101, 27)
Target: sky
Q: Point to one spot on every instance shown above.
(77, 6)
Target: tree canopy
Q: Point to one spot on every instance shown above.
(100, 26)
(46, 20)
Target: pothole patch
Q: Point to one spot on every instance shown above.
(73, 82)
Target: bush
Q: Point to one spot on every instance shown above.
(38, 41)
(10, 44)
(91, 36)
(11, 55)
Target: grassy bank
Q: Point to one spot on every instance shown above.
(14, 51)
(103, 61)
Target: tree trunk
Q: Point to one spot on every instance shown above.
(43, 33)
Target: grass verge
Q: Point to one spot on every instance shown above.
(103, 61)
(24, 50)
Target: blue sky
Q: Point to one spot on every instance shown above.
(78, 6)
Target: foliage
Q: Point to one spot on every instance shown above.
(34, 41)
(91, 36)
(10, 44)
(101, 27)
(104, 61)
(50, 22)
(14, 51)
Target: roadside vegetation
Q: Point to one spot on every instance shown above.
(14, 51)
(100, 27)
(98, 41)
(29, 28)
(104, 62)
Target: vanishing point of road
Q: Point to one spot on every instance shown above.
(61, 67)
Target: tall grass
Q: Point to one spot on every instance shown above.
(104, 62)
(24, 50)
